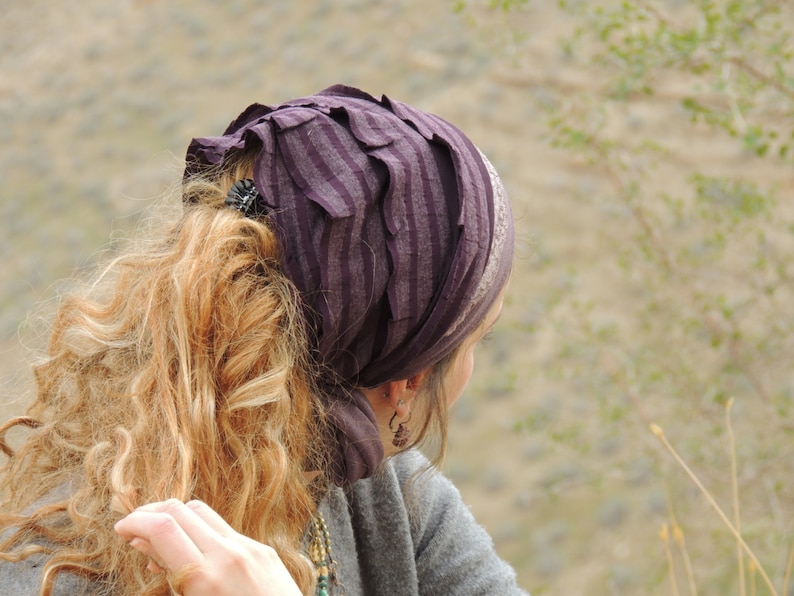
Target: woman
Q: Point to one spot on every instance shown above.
(218, 412)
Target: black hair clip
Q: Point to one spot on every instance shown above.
(244, 197)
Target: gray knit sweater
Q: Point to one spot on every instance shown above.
(396, 534)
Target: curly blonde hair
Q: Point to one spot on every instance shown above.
(182, 372)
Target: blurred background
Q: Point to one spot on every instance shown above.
(645, 148)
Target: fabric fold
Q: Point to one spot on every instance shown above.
(387, 219)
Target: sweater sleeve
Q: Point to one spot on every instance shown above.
(454, 554)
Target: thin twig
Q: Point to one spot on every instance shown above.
(716, 329)
(678, 534)
(735, 493)
(789, 565)
(657, 430)
(660, 16)
(753, 582)
(664, 534)
(764, 78)
(738, 61)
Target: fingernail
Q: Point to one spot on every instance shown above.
(154, 567)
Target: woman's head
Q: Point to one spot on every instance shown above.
(208, 363)
(392, 225)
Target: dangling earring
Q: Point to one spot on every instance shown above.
(403, 434)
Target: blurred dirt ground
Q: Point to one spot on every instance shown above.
(98, 100)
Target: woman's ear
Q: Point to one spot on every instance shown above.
(401, 393)
(399, 396)
(415, 382)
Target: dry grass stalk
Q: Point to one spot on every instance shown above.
(664, 534)
(755, 565)
(789, 565)
(735, 493)
(678, 534)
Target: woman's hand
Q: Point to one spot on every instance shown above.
(194, 543)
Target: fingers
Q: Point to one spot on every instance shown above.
(216, 523)
(158, 535)
(174, 534)
(155, 565)
(200, 523)
(211, 518)
(204, 552)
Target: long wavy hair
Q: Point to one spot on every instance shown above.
(183, 370)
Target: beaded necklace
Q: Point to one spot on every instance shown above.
(320, 554)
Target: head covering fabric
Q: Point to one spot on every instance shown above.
(393, 226)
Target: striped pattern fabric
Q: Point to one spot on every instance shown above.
(392, 225)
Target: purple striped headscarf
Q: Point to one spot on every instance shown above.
(393, 226)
